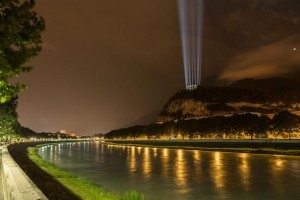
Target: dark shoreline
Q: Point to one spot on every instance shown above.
(57, 183)
(286, 147)
(45, 182)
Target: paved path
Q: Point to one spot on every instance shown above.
(1, 186)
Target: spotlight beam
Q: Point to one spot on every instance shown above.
(191, 19)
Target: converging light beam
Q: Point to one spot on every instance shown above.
(190, 19)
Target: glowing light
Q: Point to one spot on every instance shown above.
(146, 164)
(217, 170)
(190, 19)
(196, 155)
(197, 163)
(278, 166)
(165, 164)
(97, 151)
(294, 49)
(155, 152)
(244, 170)
(181, 172)
(165, 153)
(132, 162)
(55, 154)
(139, 149)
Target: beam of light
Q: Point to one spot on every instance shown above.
(190, 19)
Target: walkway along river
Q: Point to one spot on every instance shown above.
(177, 174)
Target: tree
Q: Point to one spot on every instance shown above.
(9, 124)
(251, 124)
(20, 40)
(285, 122)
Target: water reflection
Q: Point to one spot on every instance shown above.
(146, 164)
(197, 166)
(132, 162)
(217, 172)
(139, 150)
(69, 149)
(154, 152)
(97, 152)
(165, 153)
(196, 156)
(55, 153)
(279, 164)
(180, 172)
(278, 167)
(244, 170)
(163, 173)
(165, 162)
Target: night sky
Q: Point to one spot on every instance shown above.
(112, 64)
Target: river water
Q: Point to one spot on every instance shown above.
(174, 174)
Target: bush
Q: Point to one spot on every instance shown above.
(133, 195)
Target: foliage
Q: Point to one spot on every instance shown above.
(285, 121)
(235, 126)
(27, 133)
(20, 40)
(9, 125)
(130, 195)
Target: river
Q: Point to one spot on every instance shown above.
(176, 174)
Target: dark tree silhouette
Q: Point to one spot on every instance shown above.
(285, 122)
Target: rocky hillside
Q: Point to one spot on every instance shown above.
(263, 96)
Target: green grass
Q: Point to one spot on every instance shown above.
(82, 188)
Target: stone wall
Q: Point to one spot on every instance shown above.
(16, 184)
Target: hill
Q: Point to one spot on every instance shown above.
(263, 96)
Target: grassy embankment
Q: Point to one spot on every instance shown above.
(81, 188)
(259, 147)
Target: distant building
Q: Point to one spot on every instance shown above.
(72, 134)
(65, 132)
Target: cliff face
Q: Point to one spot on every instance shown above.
(264, 96)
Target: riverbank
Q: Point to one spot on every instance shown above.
(276, 147)
(57, 183)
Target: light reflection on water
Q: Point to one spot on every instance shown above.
(132, 161)
(217, 171)
(162, 173)
(181, 173)
(197, 166)
(244, 170)
(165, 163)
(146, 163)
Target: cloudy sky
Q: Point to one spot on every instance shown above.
(111, 64)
